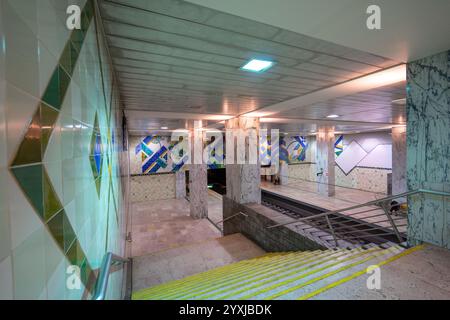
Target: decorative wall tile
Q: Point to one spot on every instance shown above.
(21, 50)
(3, 141)
(5, 228)
(350, 157)
(6, 279)
(69, 216)
(20, 109)
(297, 147)
(367, 179)
(302, 171)
(152, 187)
(339, 145)
(23, 218)
(29, 266)
(379, 157)
(154, 153)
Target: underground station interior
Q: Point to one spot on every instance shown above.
(224, 150)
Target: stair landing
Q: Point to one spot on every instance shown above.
(183, 261)
(423, 274)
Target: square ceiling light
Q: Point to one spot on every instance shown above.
(256, 65)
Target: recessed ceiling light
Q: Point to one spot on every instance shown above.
(164, 128)
(256, 65)
(333, 116)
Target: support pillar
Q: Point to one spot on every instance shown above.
(242, 164)
(180, 184)
(325, 161)
(198, 179)
(398, 160)
(284, 172)
(428, 151)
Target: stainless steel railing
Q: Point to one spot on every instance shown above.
(377, 222)
(216, 224)
(101, 285)
(232, 217)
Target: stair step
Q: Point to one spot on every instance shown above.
(286, 275)
(334, 274)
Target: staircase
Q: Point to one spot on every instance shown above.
(285, 276)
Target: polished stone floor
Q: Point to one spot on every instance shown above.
(306, 191)
(183, 261)
(215, 207)
(163, 224)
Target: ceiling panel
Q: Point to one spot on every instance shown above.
(369, 106)
(170, 55)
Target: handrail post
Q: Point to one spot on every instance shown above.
(391, 221)
(231, 217)
(103, 277)
(332, 231)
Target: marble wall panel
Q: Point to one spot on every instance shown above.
(428, 147)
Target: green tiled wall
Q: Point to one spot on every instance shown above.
(61, 199)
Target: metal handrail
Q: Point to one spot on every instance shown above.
(105, 270)
(231, 217)
(373, 202)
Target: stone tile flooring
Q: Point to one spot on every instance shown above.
(215, 207)
(306, 191)
(183, 261)
(424, 274)
(163, 224)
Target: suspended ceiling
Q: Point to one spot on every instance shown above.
(410, 29)
(181, 59)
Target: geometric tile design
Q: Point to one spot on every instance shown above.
(30, 179)
(380, 157)
(339, 145)
(264, 149)
(350, 157)
(284, 153)
(156, 155)
(35, 141)
(214, 150)
(27, 166)
(297, 149)
(96, 158)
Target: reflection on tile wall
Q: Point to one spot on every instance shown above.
(61, 199)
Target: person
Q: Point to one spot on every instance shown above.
(395, 208)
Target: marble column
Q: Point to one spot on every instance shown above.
(284, 165)
(180, 184)
(325, 161)
(428, 148)
(398, 160)
(242, 162)
(198, 178)
(284, 173)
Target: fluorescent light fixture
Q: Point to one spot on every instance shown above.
(401, 102)
(256, 114)
(164, 128)
(332, 116)
(256, 65)
(368, 82)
